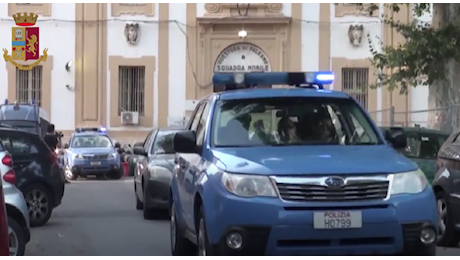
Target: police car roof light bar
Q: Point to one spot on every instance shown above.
(90, 129)
(252, 79)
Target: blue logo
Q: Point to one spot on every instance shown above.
(334, 182)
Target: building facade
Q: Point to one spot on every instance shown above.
(157, 60)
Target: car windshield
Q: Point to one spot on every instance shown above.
(291, 121)
(423, 145)
(91, 141)
(164, 142)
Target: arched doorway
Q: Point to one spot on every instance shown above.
(242, 57)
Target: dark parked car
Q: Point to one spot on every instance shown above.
(446, 185)
(152, 174)
(37, 173)
(4, 238)
(422, 147)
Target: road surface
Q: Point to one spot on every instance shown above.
(99, 218)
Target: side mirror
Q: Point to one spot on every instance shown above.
(184, 142)
(397, 137)
(139, 151)
(139, 144)
(66, 146)
(117, 145)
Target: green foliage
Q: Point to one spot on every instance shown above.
(421, 59)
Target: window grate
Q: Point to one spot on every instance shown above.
(355, 82)
(29, 85)
(131, 87)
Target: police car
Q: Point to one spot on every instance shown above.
(92, 152)
(294, 171)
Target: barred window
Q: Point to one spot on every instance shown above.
(29, 85)
(355, 82)
(131, 87)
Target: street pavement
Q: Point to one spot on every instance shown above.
(99, 218)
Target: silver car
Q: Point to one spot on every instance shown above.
(16, 207)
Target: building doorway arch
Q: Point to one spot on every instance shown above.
(242, 57)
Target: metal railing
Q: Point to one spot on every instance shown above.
(430, 118)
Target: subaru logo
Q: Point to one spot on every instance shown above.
(334, 182)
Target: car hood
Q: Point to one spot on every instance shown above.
(92, 150)
(301, 160)
(165, 160)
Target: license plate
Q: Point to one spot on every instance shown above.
(95, 163)
(337, 219)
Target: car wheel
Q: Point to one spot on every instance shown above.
(101, 177)
(139, 204)
(39, 202)
(202, 241)
(180, 246)
(149, 213)
(69, 175)
(17, 240)
(447, 234)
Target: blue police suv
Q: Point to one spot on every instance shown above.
(294, 171)
(92, 152)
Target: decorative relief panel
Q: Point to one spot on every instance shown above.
(133, 9)
(41, 9)
(352, 9)
(355, 34)
(251, 9)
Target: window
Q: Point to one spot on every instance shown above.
(196, 118)
(201, 129)
(355, 82)
(423, 145)
(88, 141)
(17, 145)
(291, 121)
(29, 85)
(163, 143)
(131, 84)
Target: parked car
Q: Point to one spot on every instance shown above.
(153, 172)
(16, 207)
(446, 185)
(4, 237)
(37, 173)
(422, 147)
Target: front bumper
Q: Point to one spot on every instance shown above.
(95, 167)
(273, 227)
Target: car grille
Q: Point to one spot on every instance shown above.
(95, 157)
(315, 191)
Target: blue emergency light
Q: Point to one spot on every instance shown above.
(91, 129)
(254, 79)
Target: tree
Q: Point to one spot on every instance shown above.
(429, 56)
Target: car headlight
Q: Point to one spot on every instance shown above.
(78, 156)
(112, 156)
(248, 185)
(408, 182)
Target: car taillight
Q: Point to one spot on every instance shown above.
(7, 160)
(10, 177)
(4, 240)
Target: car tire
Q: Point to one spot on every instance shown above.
(139, 204)
(202, 240)
(180, 246)
(69, 175)
(448, 236)
(148, 213)
(38, 197)
(16, 237)
(116, 175)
